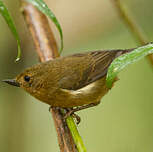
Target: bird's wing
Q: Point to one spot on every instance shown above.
(79, 70)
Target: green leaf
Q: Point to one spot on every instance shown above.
(122, 61)
(5, 13)
(40, 4)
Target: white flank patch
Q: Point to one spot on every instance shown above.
(85, 90)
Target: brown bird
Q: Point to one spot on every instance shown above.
(77, 80)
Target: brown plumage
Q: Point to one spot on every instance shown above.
(70, 81)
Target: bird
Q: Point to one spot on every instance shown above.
(76, 81)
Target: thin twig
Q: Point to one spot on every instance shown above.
(47, 49)
(132, 25)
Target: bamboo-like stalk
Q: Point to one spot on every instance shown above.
(46, 48)
(132, 25)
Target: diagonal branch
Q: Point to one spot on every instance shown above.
(46, 48)
(132, 25)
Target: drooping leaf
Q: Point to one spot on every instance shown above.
(5, 13)
(41, 5)
(122, 61)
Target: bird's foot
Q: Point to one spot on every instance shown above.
(71, 113)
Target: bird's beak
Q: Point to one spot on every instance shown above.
(12, 82)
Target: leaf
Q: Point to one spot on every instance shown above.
(5, 13)
(40, 4)
(122, 61)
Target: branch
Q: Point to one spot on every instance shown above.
(46, 48)
(132, 25)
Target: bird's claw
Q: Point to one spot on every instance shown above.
(71, 113)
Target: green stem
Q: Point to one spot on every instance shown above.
(75, 134)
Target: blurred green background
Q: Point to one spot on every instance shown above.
(124, 119)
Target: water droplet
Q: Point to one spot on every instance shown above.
(43, 5)
(2, 8)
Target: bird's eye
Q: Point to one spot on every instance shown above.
(26, 78)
